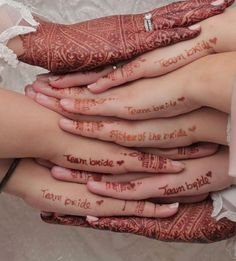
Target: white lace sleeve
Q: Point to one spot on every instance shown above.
(15, 19)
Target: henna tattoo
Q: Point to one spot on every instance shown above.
(140, 208)
(193, 223)
(81, 203)
(120, 136)
(46, 194)
(125, 204)
(85, 176)
(189, 151)
(88, 126)
(93, 162)
(199, 48)
(149, 161)
(99, 202)
(156, 108)
(196, 185)
(91, 44)
(120, 187)
(88, 104)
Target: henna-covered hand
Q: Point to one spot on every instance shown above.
(91, 44)
(193, 223)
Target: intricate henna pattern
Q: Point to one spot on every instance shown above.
(91, 44)
(193, 223)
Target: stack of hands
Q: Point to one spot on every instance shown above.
(156, 140)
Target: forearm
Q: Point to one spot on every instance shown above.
(25, 127)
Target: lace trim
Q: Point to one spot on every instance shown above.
(7, 56)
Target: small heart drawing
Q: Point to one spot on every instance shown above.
(213, 40)
(120, 163)
(181, 99)
(100, 202)
(209, 174)
(192, 129)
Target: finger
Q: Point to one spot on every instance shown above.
(161, 133)
(181, 6)
(194, 151)
(199, 177)
(136, 68)
(48, 90)
(191, 16)
(78, 79)
(83, 177)
(125, 73)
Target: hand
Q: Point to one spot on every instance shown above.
(206, 82)
(32, 131)
(62, 48)
(34, 184)
(213, 39)
(200, 176)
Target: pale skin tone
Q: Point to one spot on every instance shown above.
(65, 154)
(190, 127)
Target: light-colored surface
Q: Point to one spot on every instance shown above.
(23, 237)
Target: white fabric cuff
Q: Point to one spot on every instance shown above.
(15, 19)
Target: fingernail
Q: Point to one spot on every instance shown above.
(217, 3)
(92, 86)
(66, 123)
(66, 103)
(91, 219)
(195, 27)
(55, 78)
(178, 164)
(46, 214)
(60, 172)
(175, 205)
(42, 98)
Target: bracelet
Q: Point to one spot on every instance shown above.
(9, 173)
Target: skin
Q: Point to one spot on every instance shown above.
(35, 185)
(91, 44)
(213, 39)
(51, 143)
(192, 123)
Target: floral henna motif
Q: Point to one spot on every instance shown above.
(91, 44)
(193, 223)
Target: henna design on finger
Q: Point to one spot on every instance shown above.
(149, 161)
(88, 104)
(121, 187)
(202, 181)
(124, 137)
(200, 48)
(85, 176)
(93, 162)
(89, 126)
(99, 202)
(169, 105)
(139, 210)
